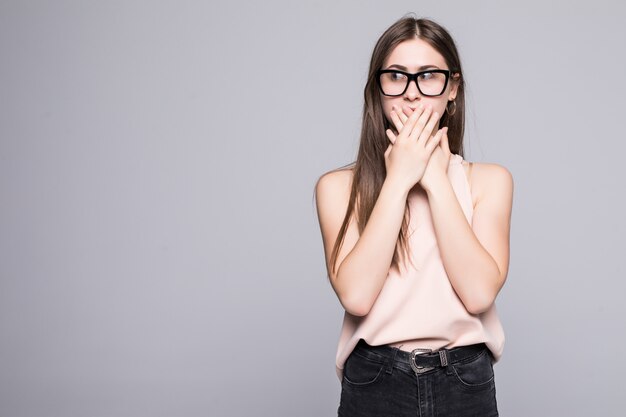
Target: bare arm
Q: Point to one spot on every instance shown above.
(475, 257)
(364, 261)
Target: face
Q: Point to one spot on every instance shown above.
(409, 56)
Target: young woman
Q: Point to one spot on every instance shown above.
(416, 240)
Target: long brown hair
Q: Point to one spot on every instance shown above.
(369, 167)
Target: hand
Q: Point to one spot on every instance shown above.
(437, 168)
(408, 155)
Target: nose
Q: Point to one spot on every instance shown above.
(412, 91)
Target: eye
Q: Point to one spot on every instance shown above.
(397, 76)
(426, 75)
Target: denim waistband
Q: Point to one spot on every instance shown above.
(402, 359)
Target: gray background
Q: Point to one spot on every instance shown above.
(160, 249)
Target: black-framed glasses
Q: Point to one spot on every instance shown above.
(430, 83)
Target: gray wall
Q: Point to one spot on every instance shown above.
(160, 251)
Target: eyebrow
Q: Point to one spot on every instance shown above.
(402, 67)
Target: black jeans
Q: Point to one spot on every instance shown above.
(379, 381)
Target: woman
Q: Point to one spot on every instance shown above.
(416, 240)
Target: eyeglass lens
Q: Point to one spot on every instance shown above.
(430, 83)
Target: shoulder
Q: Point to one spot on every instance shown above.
(490, 180)
(332, 193)
(335, 184)
(340, 177)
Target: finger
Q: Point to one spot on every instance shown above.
(409, 126)
(420, 123)
(395, 118)
(405, 113)
(434, 141)
(391, 136)
(430, 125)
(388, 151)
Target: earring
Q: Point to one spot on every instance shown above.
(450, 113)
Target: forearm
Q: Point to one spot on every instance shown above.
(362, 273)
(472, 271)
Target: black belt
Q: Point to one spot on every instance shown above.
(422, 360)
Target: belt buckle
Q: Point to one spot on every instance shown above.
(419, 369)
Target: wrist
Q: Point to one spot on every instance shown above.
(396, 186)
(436, 183)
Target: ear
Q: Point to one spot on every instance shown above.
(454, 86)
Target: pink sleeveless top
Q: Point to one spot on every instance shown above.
(418, 302)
